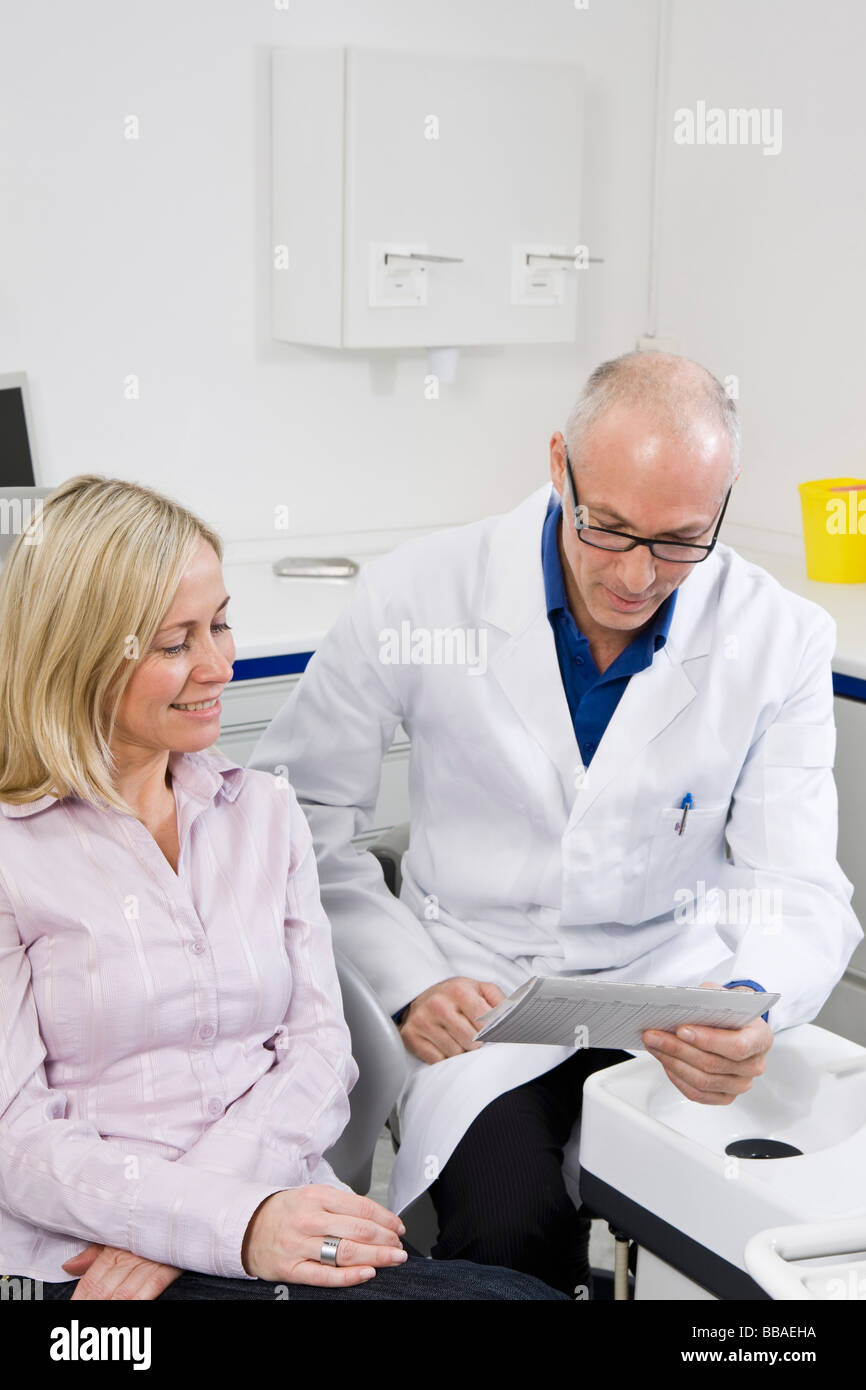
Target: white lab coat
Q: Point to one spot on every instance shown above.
(521, 865)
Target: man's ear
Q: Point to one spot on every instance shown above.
(557, 462)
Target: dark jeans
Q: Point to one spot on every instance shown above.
(501, 1198)
(418, 1278)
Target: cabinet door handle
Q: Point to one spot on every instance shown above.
(559, 256)
(420, 256)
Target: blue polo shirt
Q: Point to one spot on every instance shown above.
(592, 695)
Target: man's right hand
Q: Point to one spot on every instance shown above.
(442, 1022)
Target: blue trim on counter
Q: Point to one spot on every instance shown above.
(256, 668)
(259, 667)
(851, 686)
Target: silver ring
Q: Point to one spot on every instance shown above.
(328, 1253)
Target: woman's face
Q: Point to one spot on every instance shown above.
(189, 663)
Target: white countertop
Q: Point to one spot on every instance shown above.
(276, 617)
(844, 602)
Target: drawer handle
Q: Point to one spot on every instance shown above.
(314, 567)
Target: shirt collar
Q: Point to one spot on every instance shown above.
(647, 642)
(201, 775)
(205, 774)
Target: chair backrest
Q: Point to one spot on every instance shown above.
(389, 850)
(382, 1069)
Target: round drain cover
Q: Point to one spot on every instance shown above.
(761, 1148)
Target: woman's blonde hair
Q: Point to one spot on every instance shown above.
(83, 592)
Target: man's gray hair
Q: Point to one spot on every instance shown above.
(677, 392)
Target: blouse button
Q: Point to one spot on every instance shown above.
(206, 1030)
(215, 1107)
(197, 948)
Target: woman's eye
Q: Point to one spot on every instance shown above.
(184, 646)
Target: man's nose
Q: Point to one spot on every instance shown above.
(636, 570)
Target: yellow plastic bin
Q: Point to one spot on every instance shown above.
(834, 529)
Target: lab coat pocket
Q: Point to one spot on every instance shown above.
(678, 862)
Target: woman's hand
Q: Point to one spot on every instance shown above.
(283, 1241)
(106, 1273)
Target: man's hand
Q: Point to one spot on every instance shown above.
(106, 1273)
(715, 1065)
(441, 1022)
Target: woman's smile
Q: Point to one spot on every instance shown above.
(201, 709)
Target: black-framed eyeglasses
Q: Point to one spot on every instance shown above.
(679, 552)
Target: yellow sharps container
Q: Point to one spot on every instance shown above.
(834, 529)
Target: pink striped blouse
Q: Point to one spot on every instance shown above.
(140, 1104)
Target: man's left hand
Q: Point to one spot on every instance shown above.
(106, 1273)
(714, 1065)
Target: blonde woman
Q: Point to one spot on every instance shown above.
(173, 1061)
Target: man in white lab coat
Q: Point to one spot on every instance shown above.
(571, 674)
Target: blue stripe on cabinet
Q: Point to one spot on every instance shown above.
(257, 667)
(851, 686)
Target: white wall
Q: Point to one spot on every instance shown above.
(763, 264)
(152, 257)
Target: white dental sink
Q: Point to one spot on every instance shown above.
(655, 1164)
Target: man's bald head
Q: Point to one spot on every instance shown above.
(654, 445)
(678, 395)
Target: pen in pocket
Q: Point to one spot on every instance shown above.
(685, 804)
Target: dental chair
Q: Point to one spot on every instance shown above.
(420, 1220)
(382, 1069)
(381, 1057)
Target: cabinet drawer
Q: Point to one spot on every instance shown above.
(255, 702)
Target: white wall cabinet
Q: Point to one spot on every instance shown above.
(380, 158)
